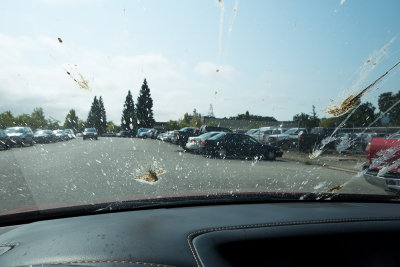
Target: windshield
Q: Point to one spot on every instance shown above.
(15, 130)
(88, 70)
(217, 136)
(291, 131)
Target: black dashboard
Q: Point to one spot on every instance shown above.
(263, 234)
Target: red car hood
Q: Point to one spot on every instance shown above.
(384, 155)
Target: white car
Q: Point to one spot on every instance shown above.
(292, 133)
(70, 133)
(262, 134)
(194, 143)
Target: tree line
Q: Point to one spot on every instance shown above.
(140, 115)
(387, 114)
(133, 116)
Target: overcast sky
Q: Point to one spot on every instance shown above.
(274, 58)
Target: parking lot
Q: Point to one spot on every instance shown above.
(111, 168)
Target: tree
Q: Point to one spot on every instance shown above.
(186, 119)
(37, 119)
(23, 120)
(93, 115)
(248, 116)
(102, 117)
(53, 124)
(303, 119)
(111, 127)
(81, 125)
(195, 121)
(128, 120)
(387, 100)
(172, 125)
(307, 121)
(363, 116)
(71, 120)
(144, 107)
(97, 116)
(6, 120)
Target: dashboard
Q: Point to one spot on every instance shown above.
(262, 234)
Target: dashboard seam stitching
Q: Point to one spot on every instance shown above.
(192, 235)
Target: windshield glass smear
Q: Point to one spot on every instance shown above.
(147, 99)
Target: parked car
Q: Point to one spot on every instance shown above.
(90, 133)
(308, 141)
(70, 133)
(287, 139)
(262, 134)
(124, 134)
(20, 136)
(183, 135)
(167, 137)
(79, 135)
(44, 136)
(206, 129)
(150, 133)
(5, 141)
(155, 133)
(141, 131)
(109, 134)
(225, 145)
(195, 142)
(251, 131)
(383, 163)
(61, 135)
(240, 131)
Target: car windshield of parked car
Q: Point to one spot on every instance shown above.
(291, 131)
(217, 136)
(15, 130)
(230, 83)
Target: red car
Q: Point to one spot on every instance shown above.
(383, 163)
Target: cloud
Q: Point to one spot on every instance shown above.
(342, 2)
(33, 72)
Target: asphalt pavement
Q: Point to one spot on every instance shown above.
(111, 169)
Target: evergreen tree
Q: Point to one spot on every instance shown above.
(71, 121)
(102, 122)
(128, 120)
(93, 116)
(144, 107)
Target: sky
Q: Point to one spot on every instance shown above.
(272, 58)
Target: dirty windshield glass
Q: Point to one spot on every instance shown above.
(127, 88)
